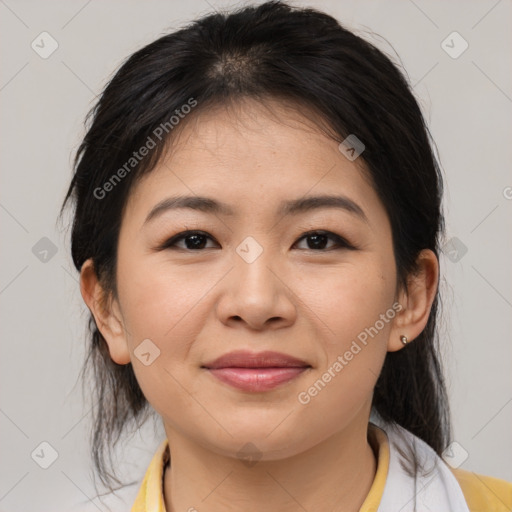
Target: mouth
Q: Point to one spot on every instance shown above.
(256, 372)
(246, 359)
(256, 379)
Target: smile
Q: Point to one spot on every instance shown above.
(256, 379)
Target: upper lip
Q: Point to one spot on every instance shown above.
(246, 359)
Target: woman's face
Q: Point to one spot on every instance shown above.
(253, 281)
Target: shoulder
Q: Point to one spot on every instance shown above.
(484, 493)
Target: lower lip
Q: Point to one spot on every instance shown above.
(256, 379)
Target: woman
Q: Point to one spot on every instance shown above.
(257, 229)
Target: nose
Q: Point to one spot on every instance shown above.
(257, 294)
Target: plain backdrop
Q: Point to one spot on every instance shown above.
(466, 100)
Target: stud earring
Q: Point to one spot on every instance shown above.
(404, 340)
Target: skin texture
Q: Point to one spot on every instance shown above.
(197, 304)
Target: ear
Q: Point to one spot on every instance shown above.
(416, 301)
(106, 313)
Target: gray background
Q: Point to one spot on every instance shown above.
(467, 103)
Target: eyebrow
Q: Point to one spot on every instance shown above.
(290, 207)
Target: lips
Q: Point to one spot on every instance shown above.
(246, 359)
(256, 372)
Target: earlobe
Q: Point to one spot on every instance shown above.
(107, 317)
(416, 301)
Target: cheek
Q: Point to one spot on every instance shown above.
(157, 301)
(354, 305)
(349, 299)
(166, 307)
(357, 308)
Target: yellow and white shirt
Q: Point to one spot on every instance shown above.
(482, 493)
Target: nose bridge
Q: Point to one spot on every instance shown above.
(253, 266)
(255, 293)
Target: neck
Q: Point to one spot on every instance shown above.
(335, 475)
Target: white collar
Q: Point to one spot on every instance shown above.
(435, 491)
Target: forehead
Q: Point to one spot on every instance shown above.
(253, 155)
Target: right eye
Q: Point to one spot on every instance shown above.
(194, 241)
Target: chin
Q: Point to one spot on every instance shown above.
(257, 441)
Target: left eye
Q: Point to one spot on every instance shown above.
(316, 241)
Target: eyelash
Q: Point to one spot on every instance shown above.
(341, 243)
